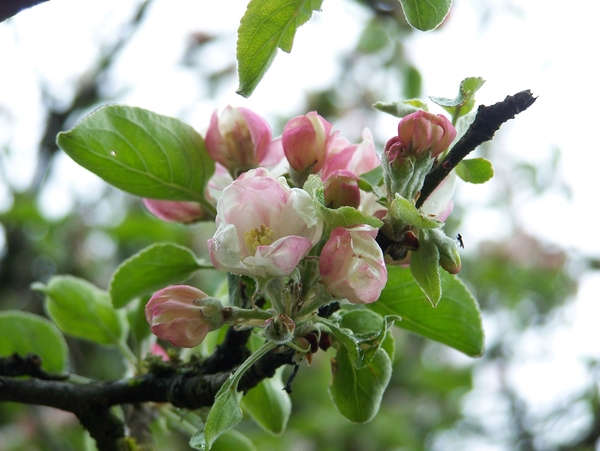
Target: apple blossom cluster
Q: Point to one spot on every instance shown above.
(294, 214)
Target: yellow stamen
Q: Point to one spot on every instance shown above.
(262, 236)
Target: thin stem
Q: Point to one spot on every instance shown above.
(256, 355)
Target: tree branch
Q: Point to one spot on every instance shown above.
(188, 386)
(487, 121)
(9, 8)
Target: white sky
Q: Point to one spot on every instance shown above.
(549, 47)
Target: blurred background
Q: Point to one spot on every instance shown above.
(531, 252)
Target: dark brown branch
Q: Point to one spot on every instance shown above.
(30, 365)
(9, 8)
(189, 387)
(487, 121)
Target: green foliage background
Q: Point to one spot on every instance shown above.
(423, 408)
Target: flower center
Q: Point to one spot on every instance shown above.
(261, 236)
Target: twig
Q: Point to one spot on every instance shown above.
(487, 121)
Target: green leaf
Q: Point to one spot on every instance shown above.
(338, 217)
(456, 321)
(81, 309)
(362, 333)
(141, 152)
(405, 210)
(357, 393)
(475, 170)
(269, 405)
(464, 102)
(424, 266)
(371, 330)
(151, 269)
(265, 27)
(402, 108)
(225, 412)
(26, 333)
(372, 181)
(233, 440)
(425, 15)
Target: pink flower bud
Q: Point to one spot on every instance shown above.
(352, 266)
(341, 189)
(305, 141)
(174, 211)
(264, 227)
(357, 158)
(239, 139)
(183, 315)
(422, 132)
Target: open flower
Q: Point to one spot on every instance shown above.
(352, 266)
(264, 227)
(183, 315)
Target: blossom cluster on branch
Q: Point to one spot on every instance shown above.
(293, 216)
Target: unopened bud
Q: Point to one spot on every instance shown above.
(448, 249)
(183, 315)
(341, 189)
(238, 138)
(305, 142)
(174, 211)
(280, 329)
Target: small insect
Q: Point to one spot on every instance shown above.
(459, 239)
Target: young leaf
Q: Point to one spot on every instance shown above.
(225, 412)
(402, 108)
(371, 331)
(265, 27)
(475, 170)
(81, 309)
(141, 152)
(456, 321)
(269, 405)
(405, 210)
(338, 217)
(26, 333)
(464, 102)
(357, 393)
(424, 266)
(425, 15)
(151, 269)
